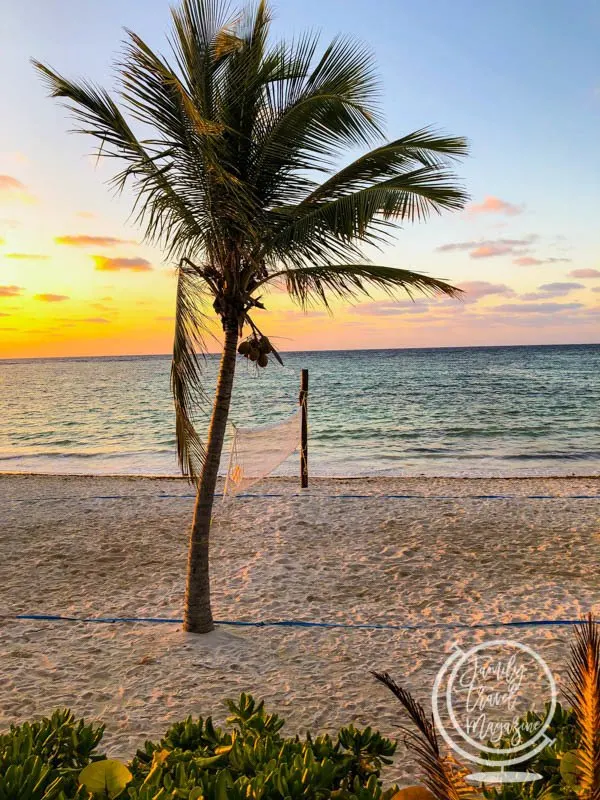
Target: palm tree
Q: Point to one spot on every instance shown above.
(226, 146)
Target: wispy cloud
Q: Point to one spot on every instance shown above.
(389, 308)
(475, 290)
(105, 264)
(11, 291)
(26, 256)
(51, 298)
(165, 319)
(82, 240)
(491, 250)
(12, 189)
(494, 205)
(537, 308)
(488, 248)
(585, 273)
(96, 320)
(530, 261)
(549, 290)
(85, 215)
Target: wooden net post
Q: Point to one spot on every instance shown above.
(304, 429)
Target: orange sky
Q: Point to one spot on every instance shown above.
(77, 282)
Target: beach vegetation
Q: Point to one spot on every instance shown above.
(569, 766)
(248, 759)
(241, 153)
(42, 760)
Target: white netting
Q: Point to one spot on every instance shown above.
(256, 452)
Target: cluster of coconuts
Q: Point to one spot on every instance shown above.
(256, 349)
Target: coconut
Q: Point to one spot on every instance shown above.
(244, 348)
(265, 345)
(263, 360)
(253, 354)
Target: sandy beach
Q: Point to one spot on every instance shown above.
(459, 550)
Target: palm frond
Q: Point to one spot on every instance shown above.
(186, 368)
(583, 693)
(168, 215)
(420, 148)
(441, 775)
(309, 285)
(365, 215)
(310, 111)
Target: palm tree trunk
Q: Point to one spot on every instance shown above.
(198, 614)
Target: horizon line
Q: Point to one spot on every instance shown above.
(293, 352)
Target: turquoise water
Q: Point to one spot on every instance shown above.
(453, 411)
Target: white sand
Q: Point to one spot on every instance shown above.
(371, 560)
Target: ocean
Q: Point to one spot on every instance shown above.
(477, 411)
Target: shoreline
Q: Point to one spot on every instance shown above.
(315, 478)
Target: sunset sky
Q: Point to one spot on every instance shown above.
(520, 80)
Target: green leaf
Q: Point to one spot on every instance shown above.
(569, 768)
(107, 778)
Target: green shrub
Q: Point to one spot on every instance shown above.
(249, 760)
(253, 761)
(42, 760)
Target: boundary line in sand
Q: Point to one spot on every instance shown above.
(247, 496)
(293, 623)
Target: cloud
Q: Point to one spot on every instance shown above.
(529, 261)
(475, 290)
(26, 256)
(11, 291)
(489, 248)
(2, 314)
(537, 308)
(390, 308)
(82, 240)
(493, 205)
(85, 215)
(165, 319)
(51, 298)
(105, 264)
(13, 189)
(96, 320)
(548, 290)
(585, 273)
(596, 289)
(10, 184)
